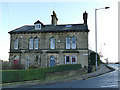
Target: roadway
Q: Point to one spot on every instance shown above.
(108, 80)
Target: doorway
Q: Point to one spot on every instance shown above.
(52, 60)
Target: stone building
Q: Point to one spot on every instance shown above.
(49, 45)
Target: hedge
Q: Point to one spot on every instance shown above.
(9, 76)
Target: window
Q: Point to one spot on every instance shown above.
(68, 26)
(31, 43)
(70, 44)
(16, 59)
(27, 62)
(67, 43)
(16, 44)
(74, 60)
(67, 59)
(70, 59)
(52, 43)
(38, 61)
(52, 60)
(73, 43)
(36, 58)
(37, 26)
(36, 41)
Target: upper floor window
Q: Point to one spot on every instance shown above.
(52, 43)
(31, 43)
(36, 41)
(73, 43)
(37, 26)
(16, 43)
(68, 43)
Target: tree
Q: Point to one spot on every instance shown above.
(93, 59)
(100, 54)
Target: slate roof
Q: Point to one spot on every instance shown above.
(51, 28)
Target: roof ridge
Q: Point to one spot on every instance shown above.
(60, 27)
(66, 24)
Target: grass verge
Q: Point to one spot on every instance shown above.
(9, 76)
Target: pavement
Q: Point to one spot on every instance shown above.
(102, 70)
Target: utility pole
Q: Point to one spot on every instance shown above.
(96, 32)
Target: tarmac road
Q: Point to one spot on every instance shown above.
(108, 80)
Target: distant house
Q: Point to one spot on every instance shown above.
(49, 45)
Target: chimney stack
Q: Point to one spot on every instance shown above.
(54, 19)
(85, 16)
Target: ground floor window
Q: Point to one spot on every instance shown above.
(38, 60)
(74, 60)
(67, 59)
(16, 59)
(70, 59)
(52, 60)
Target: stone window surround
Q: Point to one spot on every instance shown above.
(70, 57)
(33, 43)
(68, 42)
(36, 43)
(54, 43)
(16, 42)
(71, 43)
(49, 43)
(52, 57)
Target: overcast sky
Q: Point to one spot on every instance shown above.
(16, 14)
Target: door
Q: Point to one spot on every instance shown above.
(52, 60)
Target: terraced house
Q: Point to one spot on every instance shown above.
(49, 45)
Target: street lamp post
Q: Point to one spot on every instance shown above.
(96, 31)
